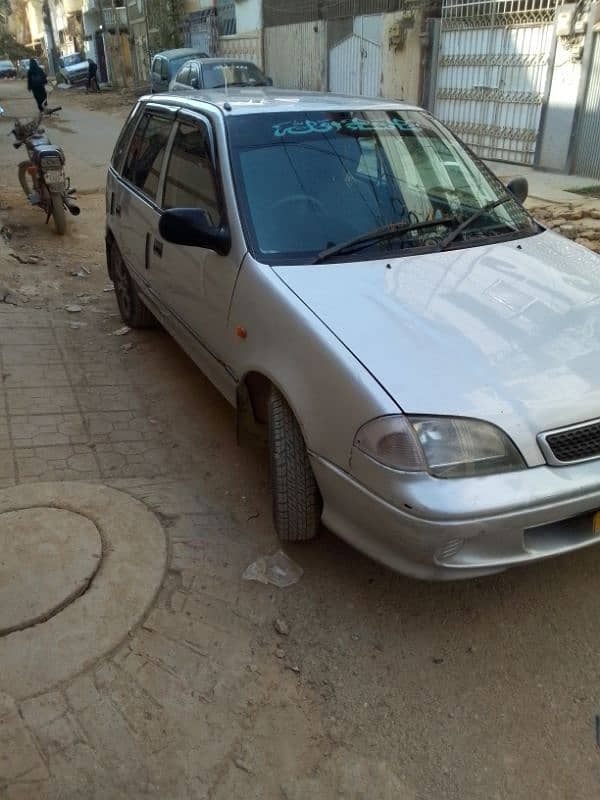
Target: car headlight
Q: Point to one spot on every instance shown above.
(446, 447)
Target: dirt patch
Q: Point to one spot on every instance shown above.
(106, 100)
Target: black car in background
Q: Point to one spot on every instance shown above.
(7, 69)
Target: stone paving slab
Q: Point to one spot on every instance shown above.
(44, 430)
(61, 400)
(21, 354)
(17, 376)
(57, 462)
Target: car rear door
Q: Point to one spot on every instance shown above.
(133, 202)
(195, 284)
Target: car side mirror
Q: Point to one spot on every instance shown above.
(519, 188)
(191, 227)
(269, 81)
(194, 84)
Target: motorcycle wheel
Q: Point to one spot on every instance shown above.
(24, 178)
(58, 214)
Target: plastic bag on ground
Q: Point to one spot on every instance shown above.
(277, 569)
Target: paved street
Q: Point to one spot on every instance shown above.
(384, 688)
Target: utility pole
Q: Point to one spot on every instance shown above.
(145, 7)
(49, 30)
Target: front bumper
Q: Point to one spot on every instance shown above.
(451, 529)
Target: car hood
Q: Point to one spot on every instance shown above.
(507, 332)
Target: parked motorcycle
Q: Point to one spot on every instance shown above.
(42, 177)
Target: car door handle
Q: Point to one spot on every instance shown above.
(157, 248)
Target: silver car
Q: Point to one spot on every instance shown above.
(422, 356)
(217, 73)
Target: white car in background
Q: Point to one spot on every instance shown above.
(73, 69)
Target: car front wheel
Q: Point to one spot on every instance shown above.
(296, 498)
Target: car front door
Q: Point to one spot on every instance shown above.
(196, 284)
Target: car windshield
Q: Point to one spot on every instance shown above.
(217, 76)
(6, 64)
(310, 181)
(70, 61)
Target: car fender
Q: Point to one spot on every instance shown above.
(272, 333)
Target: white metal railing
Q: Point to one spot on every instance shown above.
(114, 16)
(462, 9)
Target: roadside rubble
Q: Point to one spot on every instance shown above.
(580, 224)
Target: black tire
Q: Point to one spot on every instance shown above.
(58, 214)
(24, 178)
(133, 311)
(296, 498)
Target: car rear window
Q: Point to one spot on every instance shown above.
(124, 138)
(146, 153)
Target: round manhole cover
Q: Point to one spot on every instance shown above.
(48, 557)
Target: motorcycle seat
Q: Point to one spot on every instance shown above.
(47, 150)
(39, 139)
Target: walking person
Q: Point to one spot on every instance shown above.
(36, 84)
(92, 81)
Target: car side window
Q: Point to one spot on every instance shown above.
(184, 74)
(146, 154)
(190, 179)
(194, 82)
(123, 140)
(164, 69)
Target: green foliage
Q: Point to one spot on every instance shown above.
(12, 49)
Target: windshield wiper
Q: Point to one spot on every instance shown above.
(453, 235)
(379, 234)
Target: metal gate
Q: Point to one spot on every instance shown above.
(296, 55)
(355, 60)
(200, 31)
(492, 73)
(587, 152)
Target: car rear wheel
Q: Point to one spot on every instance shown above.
(133, 311)
(296, 498)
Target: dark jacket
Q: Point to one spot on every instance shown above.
(36, 77)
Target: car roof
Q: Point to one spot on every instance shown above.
(254, 100)
(180, 52)
(223, 60)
